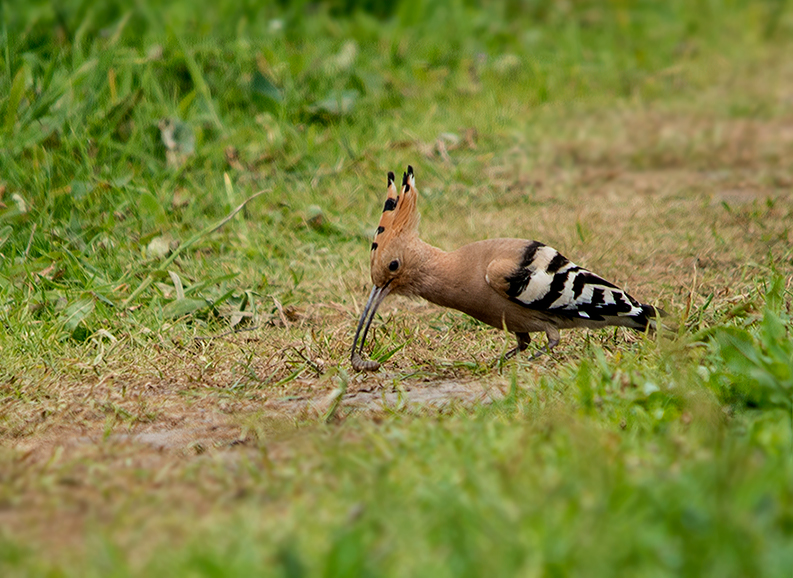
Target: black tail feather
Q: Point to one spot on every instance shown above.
(649, 315)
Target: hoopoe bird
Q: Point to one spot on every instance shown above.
(523, 286)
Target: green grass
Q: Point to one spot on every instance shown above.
(648, 141)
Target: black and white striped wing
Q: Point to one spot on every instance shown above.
(547, 281)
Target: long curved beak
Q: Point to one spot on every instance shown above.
(375, 298)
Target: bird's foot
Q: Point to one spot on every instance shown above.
(553, 341)
(523, 343)
(540, 352)
(511, 353)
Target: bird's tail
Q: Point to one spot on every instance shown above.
(649, 318)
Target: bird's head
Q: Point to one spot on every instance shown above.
(394, 258)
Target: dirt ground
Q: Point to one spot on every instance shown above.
(196, 429)
(92, 470)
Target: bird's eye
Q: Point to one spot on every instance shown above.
(393, 265)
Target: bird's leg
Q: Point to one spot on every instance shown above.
(523, 342)
(553, 338)
(553, 341)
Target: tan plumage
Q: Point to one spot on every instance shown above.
(518, 284)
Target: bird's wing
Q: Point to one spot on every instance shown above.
(544, 280)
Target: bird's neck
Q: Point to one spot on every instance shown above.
(442, 274)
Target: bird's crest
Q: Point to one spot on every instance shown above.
(400, 215)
